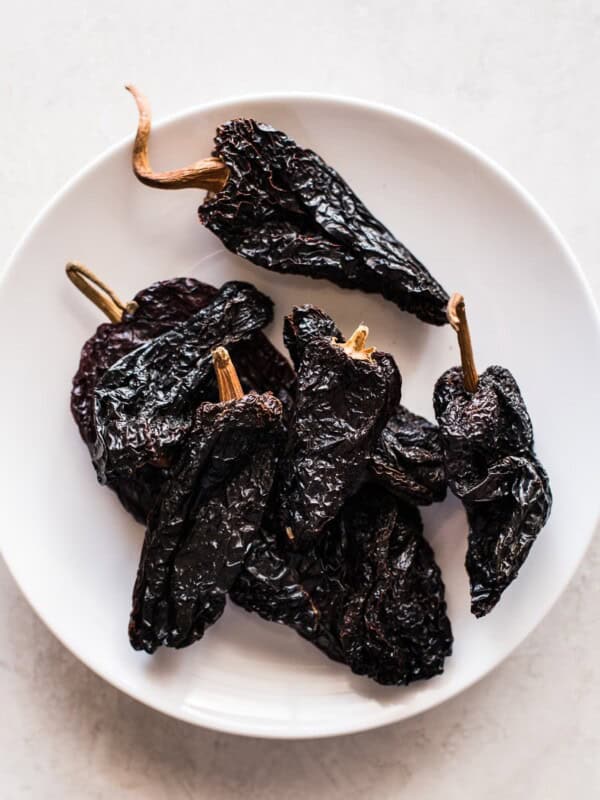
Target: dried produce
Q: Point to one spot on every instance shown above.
(296, 494)
(394, 628)
(153, 311)
(262, 368)
(207, 515)
(269, 585)
(144, 403)
(487, 439)
(407, 458)
(346, 393)
(375, 587)
(282, 207)
(305, 324)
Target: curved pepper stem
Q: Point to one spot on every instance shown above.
(210, 173)
(228, 382)
(97, 291)
(355, 345)
(457, 317)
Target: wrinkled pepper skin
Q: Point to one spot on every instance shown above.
(342, 405)
(285, 209)
(394, 627)
(407, 459)
(262, 368)
(144, 403)
(270, 586)
(375, 588)
(157, 309)
(304, 324)
(488, 445)
(207, 516)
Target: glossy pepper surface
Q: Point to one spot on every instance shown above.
(144, 403)
(153, 311)
(287, 210)
(345, 395)
(281, 206)
(487, 438)
(407, 458)
(488, 445)
(208, 514)
(374, 587)
(269, 584)
(394, 627)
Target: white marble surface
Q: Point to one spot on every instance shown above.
(519, 80)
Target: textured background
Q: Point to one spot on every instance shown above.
(518, 80)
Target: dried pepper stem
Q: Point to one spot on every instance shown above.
(209, 173)
(457, 317)
(97, 291)
(228, 382)
(355, 345)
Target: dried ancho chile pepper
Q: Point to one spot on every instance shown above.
(153, 311)
(376, 589)
(282, 207)
(345, 394)
(393, 625)
(489, 451)
(269, 585)
(207, 515)
(407, 458)
(144, 403)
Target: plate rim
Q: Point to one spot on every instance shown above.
(321, 729)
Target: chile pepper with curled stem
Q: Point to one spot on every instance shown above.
(345, 395)
(407, 458)
(207, 515)
(282, 207)
(154, 310)
(488, 445)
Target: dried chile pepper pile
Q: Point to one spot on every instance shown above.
(295, 491)
(143, 404)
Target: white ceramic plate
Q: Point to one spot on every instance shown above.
(74, 551)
